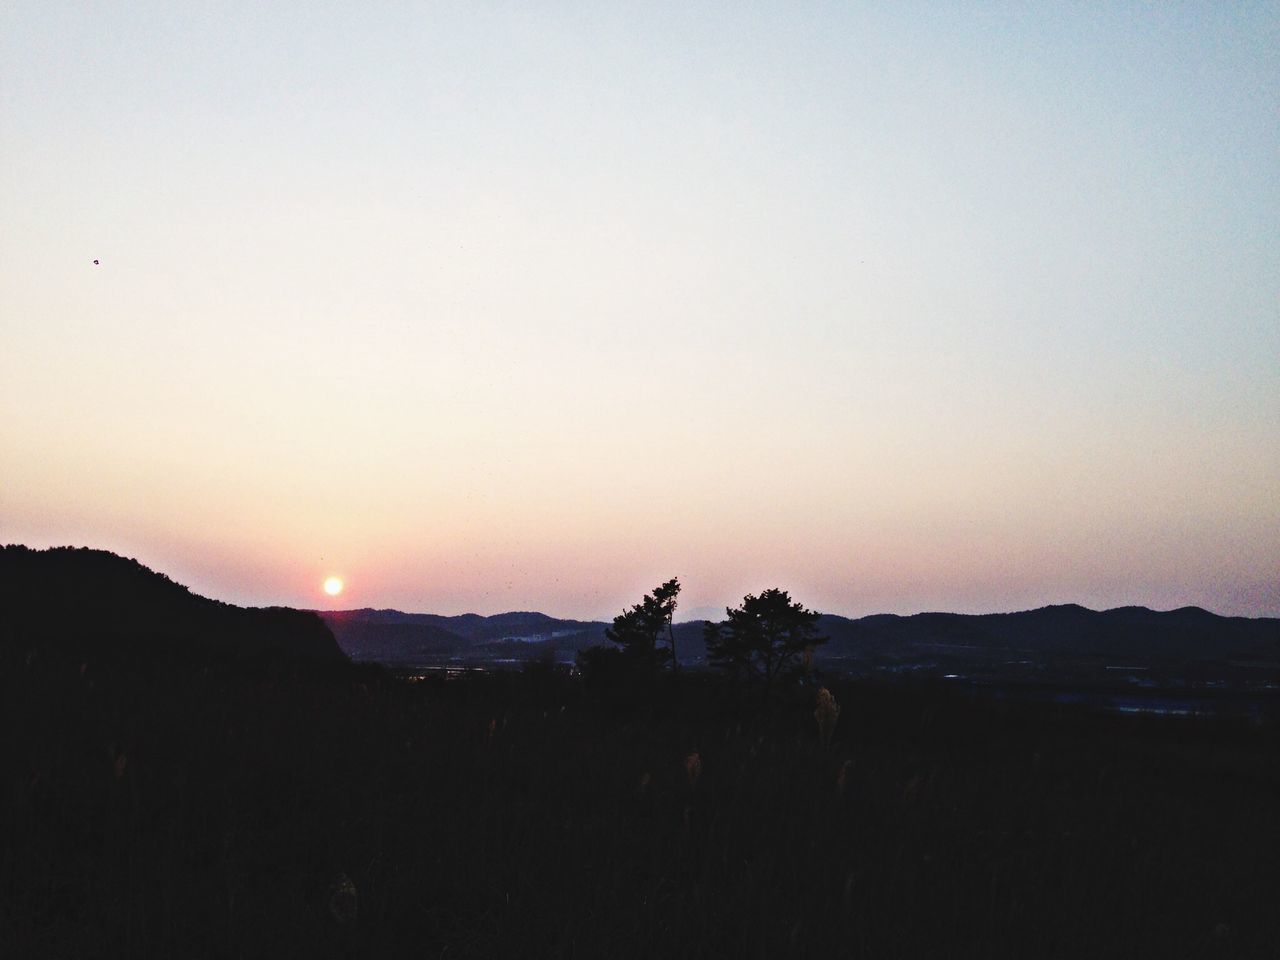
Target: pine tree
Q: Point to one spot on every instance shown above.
(639, 629)
(764, 639)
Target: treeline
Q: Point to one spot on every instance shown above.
(764, 643)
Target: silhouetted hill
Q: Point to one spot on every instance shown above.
(387, 636)
(390, 636)
(1066, 630)
(690, 646)
(100, 601)
(517, 626)
(1188, 633)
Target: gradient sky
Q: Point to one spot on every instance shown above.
(531, 306)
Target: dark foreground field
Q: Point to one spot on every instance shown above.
(224, 811)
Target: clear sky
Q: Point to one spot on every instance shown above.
(532, 306)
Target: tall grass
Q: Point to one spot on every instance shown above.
(331, 815)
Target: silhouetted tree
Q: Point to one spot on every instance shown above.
(639, 629)
(665, 596)
(764, 639)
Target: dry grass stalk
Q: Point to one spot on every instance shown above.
(827, 713)
(693, 768)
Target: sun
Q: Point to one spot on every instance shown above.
(333, 586)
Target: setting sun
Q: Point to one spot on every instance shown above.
(333, 586)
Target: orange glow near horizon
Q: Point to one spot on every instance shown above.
(333, 586)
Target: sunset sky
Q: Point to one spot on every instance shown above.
(532, 306)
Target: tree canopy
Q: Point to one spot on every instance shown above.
(639, 630)
(765, 638)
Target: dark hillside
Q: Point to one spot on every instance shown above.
(393, 637)
(402, 641)
(1129, 634)
(517, 624)
(1069, 629)
(95, 600)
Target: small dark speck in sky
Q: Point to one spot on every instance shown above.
(95, 263)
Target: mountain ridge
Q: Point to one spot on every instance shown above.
(1053, 630)
(99, 601)
(98, 597)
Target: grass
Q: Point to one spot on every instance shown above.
(523, 816)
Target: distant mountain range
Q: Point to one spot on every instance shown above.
(94, 600)
(1066, 630)
(406, 639)
(1069, 630)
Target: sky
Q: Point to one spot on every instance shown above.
(484, 307)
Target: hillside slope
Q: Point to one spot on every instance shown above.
(1070, 630)
(100, 601)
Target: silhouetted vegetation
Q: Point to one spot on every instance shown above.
(198, 806)
(766, 640)
(638, 630)
(627, 671)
